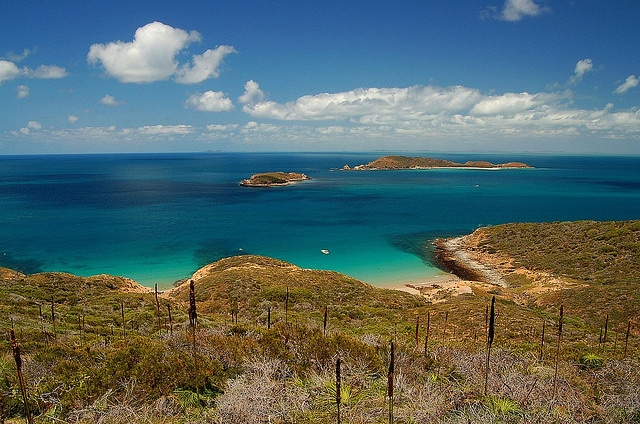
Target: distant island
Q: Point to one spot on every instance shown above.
(271, 179)
(405, 162)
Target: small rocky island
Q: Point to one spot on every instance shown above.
(273, 179)
(405, 162)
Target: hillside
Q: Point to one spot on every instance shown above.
(592, 267)
(252, 284)
(102, 349)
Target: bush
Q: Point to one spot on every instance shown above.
(591, 361)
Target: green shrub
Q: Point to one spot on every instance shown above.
(502, 406)
(591, 361)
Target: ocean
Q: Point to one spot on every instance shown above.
(156, 218)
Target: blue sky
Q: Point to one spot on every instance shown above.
(545, 76)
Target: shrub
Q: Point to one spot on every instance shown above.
(591, 361)
(502, 406)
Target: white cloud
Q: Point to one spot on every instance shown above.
(515, 10)
(34, 125)
(369, 104)
(511, 103)
(252, 93)
(166, 129)
(18, 57)
(109, 100)
(72, 119)
(253, 126)
(430, 112)
(8, 71)
(629, 83)
(210, 101)
(415, 116)
(22, 91)
(220, 127)
(151, 56)
(31, 125)
(582, 67)
(204, 66)
(47, 72)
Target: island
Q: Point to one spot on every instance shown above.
(273, 179)
(406, 162)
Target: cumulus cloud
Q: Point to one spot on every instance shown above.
(31, 125)
(9, 71)
(165, 129)
(628, 84)
(210, 101)
(515, 10)
(221, 127)
(252, 93)
(431, 111)
(370, 104)
(582, 67)
(204, 66)
(34, 125)
(22, 91)
(72, 119)
(46, 72)
(109, 100)
(152, 56)
(511, 103)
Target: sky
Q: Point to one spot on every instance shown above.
(528, 76)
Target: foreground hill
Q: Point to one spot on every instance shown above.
(405, 162)
(104, 349)
(253, 284)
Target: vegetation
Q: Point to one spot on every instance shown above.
(104, 350)
(599, 260)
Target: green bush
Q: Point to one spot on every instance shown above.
(591, 361)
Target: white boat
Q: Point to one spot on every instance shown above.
(325, 251)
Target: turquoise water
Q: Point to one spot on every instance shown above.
(157, 218)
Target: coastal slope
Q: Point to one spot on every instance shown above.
(591, 267)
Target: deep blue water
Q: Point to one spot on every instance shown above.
(159, 217)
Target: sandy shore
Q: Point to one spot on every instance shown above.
(467, 271)
(436, 288)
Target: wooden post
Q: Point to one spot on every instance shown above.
(490, 334)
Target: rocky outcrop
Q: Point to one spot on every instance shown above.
(453, 256)
(271, 179)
